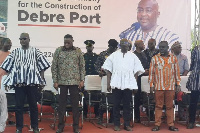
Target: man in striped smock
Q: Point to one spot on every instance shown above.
(193, 85)
(25, 67)
(147, 27)
(164, 79)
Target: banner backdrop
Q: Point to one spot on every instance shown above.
(47, 21)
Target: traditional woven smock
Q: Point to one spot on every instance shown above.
(24, 66)
(123, 68)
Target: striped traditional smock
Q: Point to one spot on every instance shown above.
(159, 34)
(24, 66)
(193, 82)
(164, 72)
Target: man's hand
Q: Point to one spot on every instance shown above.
(81, 84)
(6, 88)
(152, 89)
(102, 73)
(108, 88)
(135, 91)
(178, 88)
(146, 72)
(136, 76)
(55, 85)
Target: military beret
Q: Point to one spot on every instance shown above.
(113, 43)
(89, 42)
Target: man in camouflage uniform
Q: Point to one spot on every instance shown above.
(112, 47)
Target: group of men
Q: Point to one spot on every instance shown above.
(122, 67)
(164, 62)
(164, 78)
(26, 65)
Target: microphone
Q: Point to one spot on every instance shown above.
(134, 26)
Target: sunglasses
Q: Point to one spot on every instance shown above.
(23, 38)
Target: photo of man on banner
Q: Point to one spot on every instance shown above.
(147, 27)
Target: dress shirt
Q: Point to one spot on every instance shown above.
(68, 66)
(164, 72)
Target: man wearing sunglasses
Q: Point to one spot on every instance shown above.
(25, 67)
(147, 27)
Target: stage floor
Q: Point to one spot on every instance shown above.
(93, 127)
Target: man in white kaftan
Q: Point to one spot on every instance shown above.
(122, 68)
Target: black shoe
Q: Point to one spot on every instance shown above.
(116, 128)
(76, 131)
(11, 123)
(173, 128)
(137, 120)
(156, 128)
(59, 130)
(128, 128)
(182, 119)
(110, 120)
(84, 115)
(18, 131)
(36, 130)
(152, 118)
(96, 115)
(190, 126)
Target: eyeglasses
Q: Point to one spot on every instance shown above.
(22, 39)
(147, 10)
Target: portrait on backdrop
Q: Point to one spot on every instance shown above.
(147, 26)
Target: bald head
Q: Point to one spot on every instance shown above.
(147, 14)
(24, 35)
(154, 3)
(152, 40)
(138, 42)
(151, 44)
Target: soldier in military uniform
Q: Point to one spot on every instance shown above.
(112, 47)
(90, 59)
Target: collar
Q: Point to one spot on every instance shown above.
(64, 49)
(169, 55)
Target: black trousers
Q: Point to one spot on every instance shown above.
(137, 98)
(95, 96)
(31, 93)
(126, 96)
(74, 97)
(194, 96)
